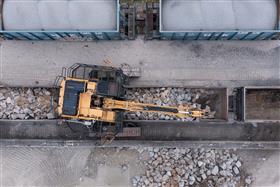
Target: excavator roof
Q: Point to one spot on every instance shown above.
(71, 97)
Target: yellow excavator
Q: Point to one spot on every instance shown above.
(95, 95)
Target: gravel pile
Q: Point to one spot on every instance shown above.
(26, 103)
(191, 167)
(197, 98)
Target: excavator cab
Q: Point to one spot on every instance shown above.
(110, 81)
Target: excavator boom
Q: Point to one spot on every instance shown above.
(180, 112)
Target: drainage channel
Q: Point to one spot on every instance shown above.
(189, 134)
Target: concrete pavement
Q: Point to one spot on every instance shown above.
(80, 166)
(163, 63)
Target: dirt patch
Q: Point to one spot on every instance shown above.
(263, 104)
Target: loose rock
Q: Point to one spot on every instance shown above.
(169, 97)
(191, 167)
(26, 103)
(215, 170)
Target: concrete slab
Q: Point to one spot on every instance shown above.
(57, 12)
(17, 14)
(62, 166)
(95, 15)
(163, 63)
(213, 15)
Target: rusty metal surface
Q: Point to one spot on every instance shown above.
(261, 104)
(130, 132)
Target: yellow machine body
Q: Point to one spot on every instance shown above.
(94, 107)
(84, 110)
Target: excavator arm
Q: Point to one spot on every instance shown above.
(180, 112)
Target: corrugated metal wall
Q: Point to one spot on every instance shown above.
(227, 35)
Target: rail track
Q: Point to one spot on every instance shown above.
(212, 133)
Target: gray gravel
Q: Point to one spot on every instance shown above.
(168, 97)
(191, 167)
(38, 103)
(26, 103)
